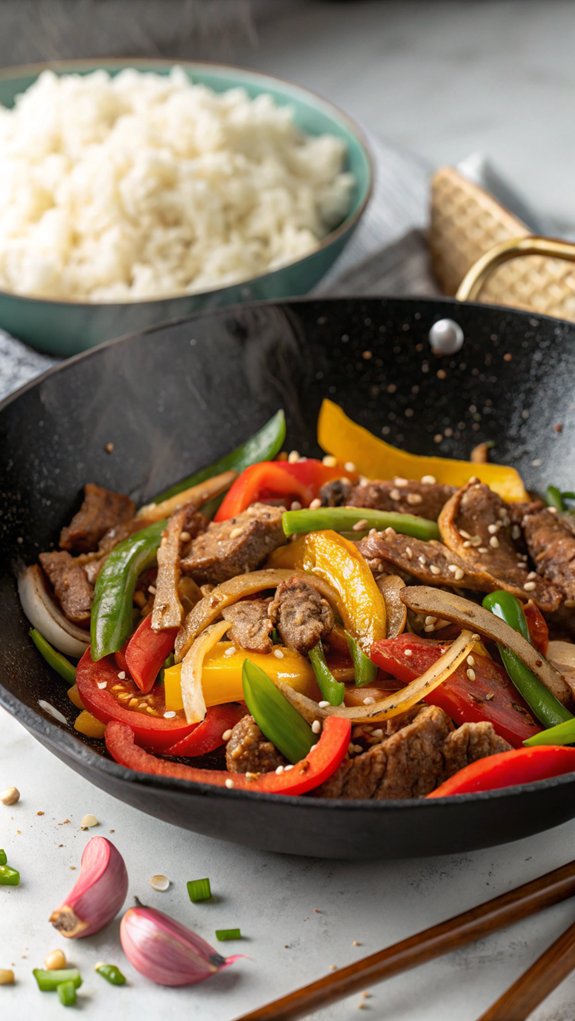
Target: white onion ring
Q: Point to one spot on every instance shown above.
(46, 617)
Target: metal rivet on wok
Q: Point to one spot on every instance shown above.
(446, 337)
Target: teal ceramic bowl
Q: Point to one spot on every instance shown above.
(67, 327)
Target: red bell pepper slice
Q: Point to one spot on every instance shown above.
(489, 695)
(310, 772)
(537, 625)
(300, 481)
(208, 734)
(152, 731)
(146, 651)
(507, 769)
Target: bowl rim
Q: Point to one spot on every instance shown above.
(81, 754)
(349, 223)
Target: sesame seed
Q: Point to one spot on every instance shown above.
(349, 466)
(452, 567)
(389, 530)
(494, 542)
(356, 943)
(399, 481)
(361, 525)
(152, 589)
(316, 727)
(229, 784)
(434, 569)
(408, 652)
(369, 700)
(459, 574)
(465, 534)
(489, 696)
(430, 620)
(315, 504)
(482, 549)
(288, 767)
(102, 684)
(279, 770)
(408, 552)
(236, 532)
(428, 480)
(377, 733)
(122, 675)
(429, 628)
(531, 575)
(414, 498)
(422, 560)
(471, 674)
(278, 654)
(467, 544)
(185, 536)
(530, 586)
(470, 660)
(493, 528)
(329, 461)
(230, 652)
(169, 715)
(160, 883)
(323, 703)
(394, 494)
(293, 456)
(295, 505)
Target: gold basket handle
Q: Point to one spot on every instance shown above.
(475, 278)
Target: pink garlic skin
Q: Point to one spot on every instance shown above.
(166, 952)
(99, 893)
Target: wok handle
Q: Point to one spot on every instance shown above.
(475, 278)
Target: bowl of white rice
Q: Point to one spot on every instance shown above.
(133, 194)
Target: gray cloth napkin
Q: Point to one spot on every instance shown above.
(386, 256)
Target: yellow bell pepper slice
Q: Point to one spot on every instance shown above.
(88, 725)
(345, 439)
(335, 559)
(222, 674)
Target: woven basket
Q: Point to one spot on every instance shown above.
(468, 224)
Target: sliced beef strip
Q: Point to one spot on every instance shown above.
(233, 547)
(101, 510)
(471, 741)
(181, 528)
(414, 760)
(429, 562)
(248, 751)
(424, 499)
(551, 543)
(409, 764)
(336, 493)
(302, 616)
(476, 524)
(251, 626)
(70, 583)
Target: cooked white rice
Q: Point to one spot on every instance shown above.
(143, 186)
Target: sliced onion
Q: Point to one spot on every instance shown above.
(399, 701)
(448, 606)
(191, 674)
(390, 586)
(562, 656)
(210, 607)
(47, 617)
(195, 494)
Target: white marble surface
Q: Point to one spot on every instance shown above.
(271, 898)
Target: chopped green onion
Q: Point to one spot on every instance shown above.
(48, 981)
(55, 659)
(3, 858)
(365, 670)
(343, 519)
(274, 715)
(332, 690)
(8, 876)
(554, 498)
(67, 993)
(111, 973)
(562, 733)
(225, 934)
(198, 890)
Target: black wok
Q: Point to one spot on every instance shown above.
(176, 397)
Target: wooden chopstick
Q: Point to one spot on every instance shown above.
(479, 921)
(535, 984)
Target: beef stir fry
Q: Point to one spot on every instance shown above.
(292, 625)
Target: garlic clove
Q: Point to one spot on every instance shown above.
(98, 894)
(166, 952)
